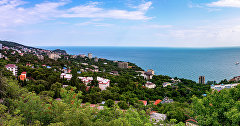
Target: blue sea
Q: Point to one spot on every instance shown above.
(190, 63)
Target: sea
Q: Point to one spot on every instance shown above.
(215, 64)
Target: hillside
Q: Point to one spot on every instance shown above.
(13, 44)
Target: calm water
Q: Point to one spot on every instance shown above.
(213, 63)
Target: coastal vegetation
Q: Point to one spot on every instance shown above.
(42, 99)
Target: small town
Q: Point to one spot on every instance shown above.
(46, 72)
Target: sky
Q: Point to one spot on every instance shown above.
(154, 23)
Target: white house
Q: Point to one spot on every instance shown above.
(66, 76)
(13, 68)
(86, 80)
(222, 86)
(150, 85)
(102, 82)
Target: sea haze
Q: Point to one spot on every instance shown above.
(214, 63)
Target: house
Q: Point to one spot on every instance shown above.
(82, 55)
(102, 82)
(66, 70)
(157, 116)
(40, 57)
(123, 65)
(114, 73)
(13, 68)
(86, 80)
(28, 64)
(64, 86)
(165, 84)
(21, 54)
(167, 100)
(53, 56)
(235, 79)
(95, 59)
(175, 80)
(85, 64)
(157, 102)
(23, 76)
(150, 85)
(222, 86)
(66, 76)
(149, 74)
(95, 68)
(144, 102)
(58, 99)
(74, 56)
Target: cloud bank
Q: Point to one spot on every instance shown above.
(13, 13)
(225, 3)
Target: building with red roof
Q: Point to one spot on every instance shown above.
(144, 102)
(23, 76)
(157, 102)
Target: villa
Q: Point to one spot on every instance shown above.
(150, 85)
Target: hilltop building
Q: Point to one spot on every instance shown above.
(13, 68)
(149, 74)
(82, 55)
(235, 79)
(90, 55)
(95, 59)
(123, 65)
(201, 79)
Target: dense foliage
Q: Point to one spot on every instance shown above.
(42, 100)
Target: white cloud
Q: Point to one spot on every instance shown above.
(12, 13)
(93, 11)
(225, 3)
(93, 24)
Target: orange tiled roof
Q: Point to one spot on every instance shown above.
(144, 102)
(157, 102)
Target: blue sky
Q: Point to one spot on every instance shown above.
(164, 23)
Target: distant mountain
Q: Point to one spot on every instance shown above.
(13, 44)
